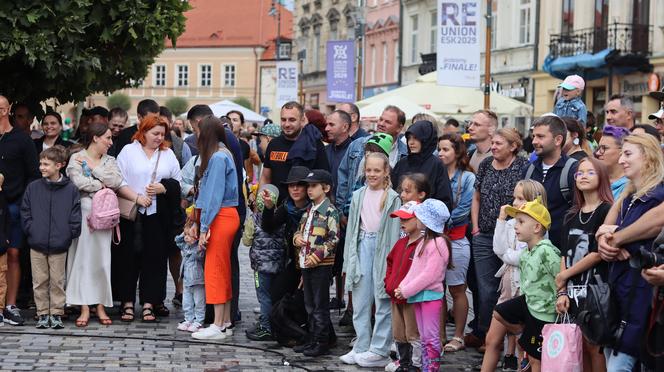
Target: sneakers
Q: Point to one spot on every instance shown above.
(371, 359)
(349, 357)
(510, 363)
(213, 332)
(301, 348)
(347, 319)
(43, 322)
(194, 327)
(525, 363)
(13, 316)
(184, 326)
(317, 349)
(56, 322)
(393, 366)
(227, 329)
(336, 304)
(259, 334)
(257, 310)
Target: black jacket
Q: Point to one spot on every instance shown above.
(51, 215)
(169, 210)
(39, 144)
(18, 162)
(425, 162)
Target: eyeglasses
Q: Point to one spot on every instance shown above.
(590, 173)
(602, 149)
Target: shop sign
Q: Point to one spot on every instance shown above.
(635, 86)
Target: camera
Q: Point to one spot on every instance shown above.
(645, 259)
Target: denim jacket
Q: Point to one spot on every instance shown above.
(193, 261)
(461, 197)
(348, 170)
(574, 108)
(218, 188)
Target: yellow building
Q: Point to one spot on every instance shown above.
(582, 32)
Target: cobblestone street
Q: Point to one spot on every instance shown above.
(160, 347)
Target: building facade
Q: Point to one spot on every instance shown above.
(623, 41)
(316, 22)
(381, 47)
(216, 59)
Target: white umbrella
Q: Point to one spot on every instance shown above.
(373, 110)
(223, 107)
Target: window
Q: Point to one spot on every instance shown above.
(524, 22)
(183, 75)
(229, 75)
(285, 50)
(397, 58)
(206, 75)
(434, 32)
(384, 63)
(316, 48)
(568, 17)
(373, 64)
(160, 75)
(413, 38)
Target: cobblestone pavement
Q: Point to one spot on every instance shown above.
(160, 347)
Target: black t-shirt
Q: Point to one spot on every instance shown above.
(245, 149)
(276, 159)
(577, 241)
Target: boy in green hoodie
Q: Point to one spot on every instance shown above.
(528, 313)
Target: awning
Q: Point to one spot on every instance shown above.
(594, 66)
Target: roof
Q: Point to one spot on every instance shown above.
(269, 53)
(243, 23)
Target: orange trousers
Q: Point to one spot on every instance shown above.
(218, 256)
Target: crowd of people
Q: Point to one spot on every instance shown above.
(406, 219)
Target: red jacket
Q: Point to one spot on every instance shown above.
(398, 264)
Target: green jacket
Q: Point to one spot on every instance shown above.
(539, 267)
(387, 236)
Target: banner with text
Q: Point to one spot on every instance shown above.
(458, 53)
(286, 82)
(341, 71)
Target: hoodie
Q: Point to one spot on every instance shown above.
(539, 267)
(51, 215)
(425, 162)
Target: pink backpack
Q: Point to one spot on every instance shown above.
(105, 212)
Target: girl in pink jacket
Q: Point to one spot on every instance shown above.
(423, 285)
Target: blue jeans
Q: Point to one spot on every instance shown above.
(618, 363)
(486, 266)
(263, 283)
(379, 339)
(193, 303)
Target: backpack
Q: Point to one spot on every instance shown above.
(288, 319)
(105, 211)
(564, 176)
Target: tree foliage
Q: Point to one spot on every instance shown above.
(120, 100)
(177, 105)
(68, 49)
(244, 102)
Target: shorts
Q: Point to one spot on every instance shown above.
(515, 311)
(15, 232)
(460, 260)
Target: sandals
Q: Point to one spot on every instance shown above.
(105, 321)
(456, 344)
(80, 323)
(127, 314)
(162, 310)
(148, 312)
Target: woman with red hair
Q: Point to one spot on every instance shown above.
(151, 173)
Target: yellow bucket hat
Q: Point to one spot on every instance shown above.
(534, 209)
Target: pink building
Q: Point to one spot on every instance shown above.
(381, 48)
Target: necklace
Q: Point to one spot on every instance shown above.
(589, 218)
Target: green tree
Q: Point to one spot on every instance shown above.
(177, 105)
(68, 49)
(120, 100)
(244, 102)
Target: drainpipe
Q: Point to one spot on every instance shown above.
(535, 52)
(400, 54)
(256, 80)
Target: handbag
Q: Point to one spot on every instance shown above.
(129, 208)
(562, 349)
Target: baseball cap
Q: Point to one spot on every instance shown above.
(573, 82)
(297, 174)
(534, 209)
(319, 176)
(656, 115)
(382, 140)
(406, 211)
(270, 130)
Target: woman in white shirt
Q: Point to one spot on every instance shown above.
(142, 253)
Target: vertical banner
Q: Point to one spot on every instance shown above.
(286, 82)
(341, 71)
(458, 52)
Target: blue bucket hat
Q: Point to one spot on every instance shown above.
(433, 214)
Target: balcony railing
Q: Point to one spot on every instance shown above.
(625, 37)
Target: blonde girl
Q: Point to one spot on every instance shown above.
(370, 235)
